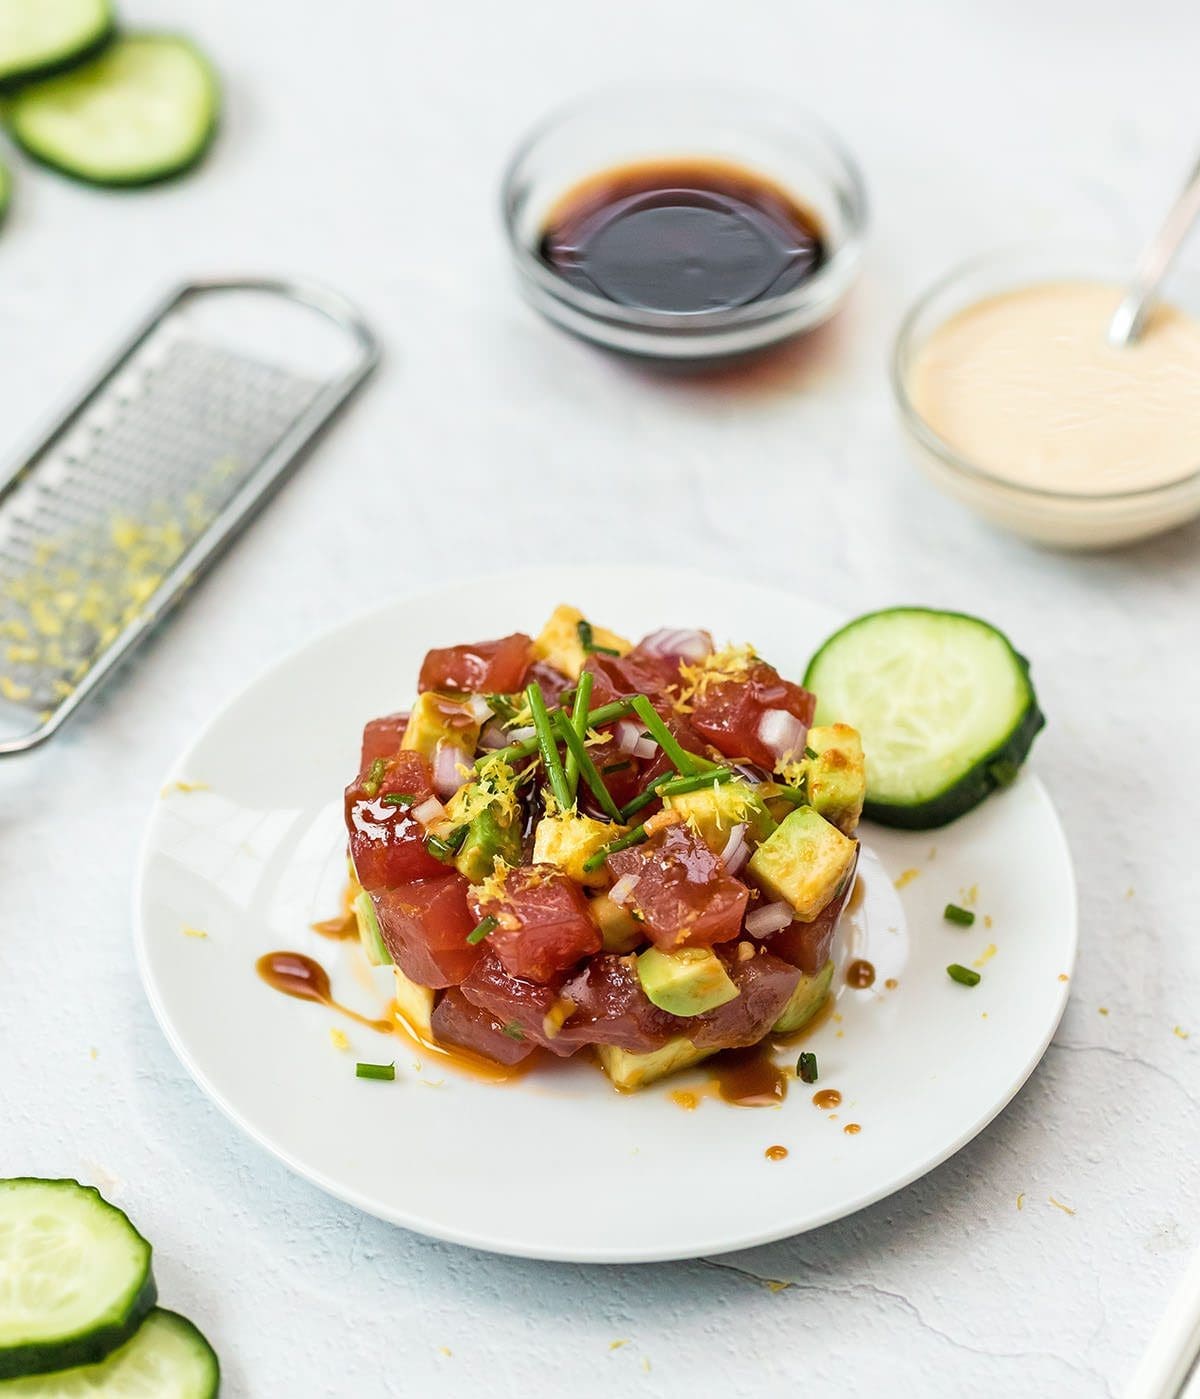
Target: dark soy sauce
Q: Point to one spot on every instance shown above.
(682, 236)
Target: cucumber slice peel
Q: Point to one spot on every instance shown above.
(75, 1276)
(143, 110)
(943, 701)
(40, 37)
(167, 1359)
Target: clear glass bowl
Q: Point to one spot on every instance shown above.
(621, 126)
(1067, 520)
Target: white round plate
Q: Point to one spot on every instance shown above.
(557, 1165)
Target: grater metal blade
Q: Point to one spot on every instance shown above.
(151, 471)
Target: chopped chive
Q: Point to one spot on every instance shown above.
(381, 1071)
(963, 975)
(687, 763)
(548, 746)
(810, 752)
(444, 848)
(482, 929)
(606, 714)
(634, 837)
(374, 777)
(789, 794)
(617, 767)
(679, 785)
(587, 639)
(962, 916)
(502, 707)
(514, 1031)
(587, 768)
(648, 796)
(806, 1067)
(399, 799)
(578, 725)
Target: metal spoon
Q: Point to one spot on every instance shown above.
(1156, 258)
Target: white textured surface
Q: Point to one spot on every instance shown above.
(363, 145)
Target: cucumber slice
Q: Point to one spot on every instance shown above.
(39, 37)
(167, 1359)
(5, 191)
(944, 704)
(143, 110)
(75, 1279)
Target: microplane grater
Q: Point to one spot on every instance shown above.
(151, 471)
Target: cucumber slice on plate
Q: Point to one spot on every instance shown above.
(38, 37)
(167, 1359)
(143, 110)
(944, 704)
(75, 1279)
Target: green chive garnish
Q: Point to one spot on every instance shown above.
(677, 786)
(617, 767)
(399, 799)
(588, 642)
(502, 707)
(962, 916)
(375, 777)
(963, 975)
(606, 714)
(445, 848)
(648, 796)
(788, 794)
(482, 929)
(634, 837)
(514, 1031)
(578, 725)
(810, 752)
(382, 1071)
(548, 747)
(806, 1067)
(583, 761)
(687, 763)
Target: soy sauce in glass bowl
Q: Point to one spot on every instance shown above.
(684, 224)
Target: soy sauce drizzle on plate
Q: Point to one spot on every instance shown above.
(749, 1078)
(682, 236)
(297, 975)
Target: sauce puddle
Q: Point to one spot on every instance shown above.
(297, 975)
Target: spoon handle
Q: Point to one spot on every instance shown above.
(1126, 324)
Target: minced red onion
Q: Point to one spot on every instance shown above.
(429, 811)
(770, 918)
(479, 709)
(782, 732)
(736, 851)
(622, 890)
(678, 643)
(521, 735)
(448, 758)
(493, 737)
(630, 740)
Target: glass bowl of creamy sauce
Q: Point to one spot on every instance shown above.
(1014, 402)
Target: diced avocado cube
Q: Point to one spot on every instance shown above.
(629, 1072)
(561, 645)
(568, 840)
(803, 862)
(368, 931)
(438, 720)
(620, 931)
(807, 999)
(414, 1005)
(714, 811)
(689, 981)
(487, 837)
(837, 776)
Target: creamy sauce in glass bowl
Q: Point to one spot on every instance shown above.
(1024, 385)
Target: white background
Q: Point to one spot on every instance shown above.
(362, 144)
